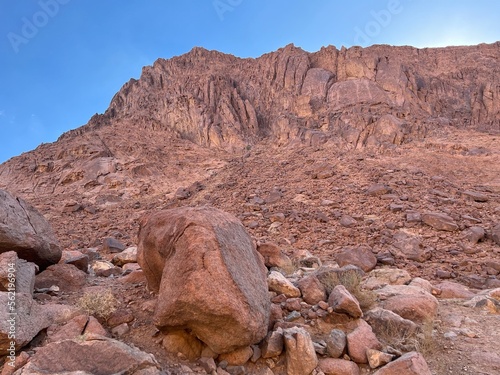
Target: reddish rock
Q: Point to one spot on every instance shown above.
(281, 285)
(24, 230)
(360, 256)
(112, 245)
(361, 339)
(409, 364)
(449, 289)
(312, 290)
(16, 274)
(238, 357)
(343, 302)
(65, 276)
(272, 345)
(96, 355)
(389, 325)
(180, 341)
(334, 366)
(120, 316)
(209, 276)
(336, 343)
(76, 258)
(440, 221)
(300, 354)
(273, 256)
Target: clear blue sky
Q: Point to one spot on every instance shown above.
(61, 61)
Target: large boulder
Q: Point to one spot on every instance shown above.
(24, 230)
(95, 355)
(208, 274)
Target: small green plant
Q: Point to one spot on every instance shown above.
(98, 303)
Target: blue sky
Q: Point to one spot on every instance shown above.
(61, 61)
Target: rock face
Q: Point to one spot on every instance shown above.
(209, 277)
(24, 230)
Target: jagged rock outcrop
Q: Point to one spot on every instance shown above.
(352, 97)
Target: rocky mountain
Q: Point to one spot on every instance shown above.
(386, 158)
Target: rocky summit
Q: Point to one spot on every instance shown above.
(302, 213)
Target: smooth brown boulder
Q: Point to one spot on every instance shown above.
(361, 339)
(301, 357)
(360, 256)
(24, 230)
(412, 363)
(439, 221)
(273, 256)
(66, 276)
(344, 302)
(334, 366)
(312, 290)
(209, 277)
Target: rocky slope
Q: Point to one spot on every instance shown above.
(386, 151)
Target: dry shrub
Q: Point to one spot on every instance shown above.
(98, 303)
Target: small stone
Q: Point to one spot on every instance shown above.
(474, 234)
(361, 339)
(300, 354)
(412, 363)
(343, 302)
(272, 345)
(207, 364)
(280, 284)
(439, 221)
(378, 189)
(336, 343)
(120, 330)
(112, 245)
(476, 196)
(377, 358)
(347, 221)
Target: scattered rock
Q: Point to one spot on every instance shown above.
(475, 196)
(361, 339)
(273, 256)
(95, 355)
(360, 256)
(333, 366)
(449, 289)
(336, 343)
(103, 268)
(112, 245)
(281, 285)
(128, 255)
(24, 230)
(412, 363)
(76, 258)
(377, 358)
(440, 221)
(65, 276)
(312, 290)
(378, 189)
(347, 221)
(16, 274)
(300, 354)
(343, 302)
(272, 345)
(389, 326)
(410, 246)
(495, 234)
(209, 276)
(180, 341)
(238, 357)
(474, 234)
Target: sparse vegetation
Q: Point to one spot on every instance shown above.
(98, 303)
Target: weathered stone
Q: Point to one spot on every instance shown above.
(312, 290)
(439, 221)
(16, 274)
(388, 325)
(412, 363)
(343, 302)
(128, 255)
(273, 256)
(301, 357)
(410, 247)
(377, 358)
(208, 364)
(474, 234)
(409, 302)
(103, 268)
(476, 196)
(281, 285)
(495, 234)
(378, 189)
(360, 256)
(65, 276)
(112, 245)
(361, 339)
(347, 221)
(78, 326)
(24, 230)
(76, 258)
(10, 368)
(333, 366)
(29, 320)
(180, 341)
(95, 355)
(336, 343)
(272, 345)
(238, 357)
(449, 289)
(381, 277)
(120, 316)
(210, 278)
